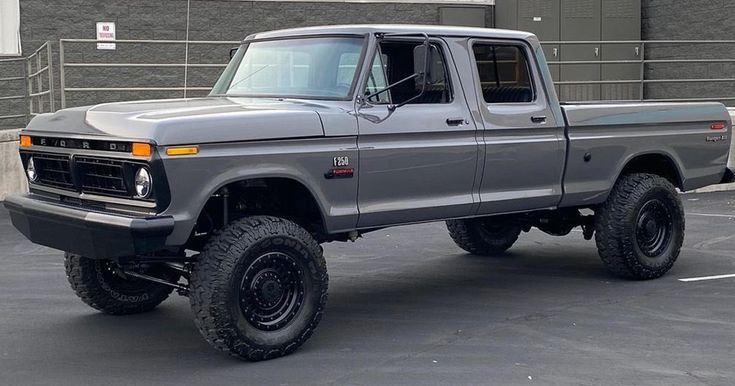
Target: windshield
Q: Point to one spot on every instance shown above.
(308, 68)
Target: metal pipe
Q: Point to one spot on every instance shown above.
(131, 41)
(49, 66)
(39, 82)
(690, 61)
(38, 72)
(144, 65)
(642, 72)
(689, 80)
(27, 91)
(177, 267)
(135, 89)
(639, 41)
(13, 116)
(566, 82)
(62, 79)
(155, 280)
(12, 78)
(5, 98)
(596, 62)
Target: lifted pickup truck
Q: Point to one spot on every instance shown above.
(321, 134)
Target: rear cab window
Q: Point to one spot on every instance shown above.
(504, 73)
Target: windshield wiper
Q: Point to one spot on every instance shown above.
(248, 76)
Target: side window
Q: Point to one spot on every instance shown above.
(504, 73)
(401, 59)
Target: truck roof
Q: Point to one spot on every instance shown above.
(361, 29)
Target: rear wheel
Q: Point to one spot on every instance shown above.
(639, 230)
(259, 288)
(483, 236)
(102, 285)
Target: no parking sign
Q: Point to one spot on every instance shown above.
(106, 31)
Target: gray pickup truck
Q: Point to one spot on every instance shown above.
(322, 134)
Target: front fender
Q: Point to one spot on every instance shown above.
(193, 179)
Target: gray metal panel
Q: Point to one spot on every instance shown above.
(615, 133)
(621, 20)
(553, 54)
(462, 16)
(511, 134)
(506, 14)
(580, 20)
(540, 17)
(413, 165)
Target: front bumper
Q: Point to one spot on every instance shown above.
(86, 232)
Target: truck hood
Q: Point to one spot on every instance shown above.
(186, 121)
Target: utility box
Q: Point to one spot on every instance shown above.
(618, 17)
(463, 16)
(582, 20)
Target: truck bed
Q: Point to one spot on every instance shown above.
(603, 137)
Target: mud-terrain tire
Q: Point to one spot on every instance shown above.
(99, 286)
(639, 230)
(482, 236)
(259, 288)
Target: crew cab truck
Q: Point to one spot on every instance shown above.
(322, 134)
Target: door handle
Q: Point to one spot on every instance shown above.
(539, 119)
(456, 121)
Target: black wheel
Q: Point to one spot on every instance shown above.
(483, 236)
(639, 230)
(259, 288)
(101, 285)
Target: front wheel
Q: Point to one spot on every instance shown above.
(259, 288)
(639, 230)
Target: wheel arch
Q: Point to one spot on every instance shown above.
(280, 176)
(660, 163)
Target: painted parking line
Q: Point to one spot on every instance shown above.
(712, 215)
(702, 278)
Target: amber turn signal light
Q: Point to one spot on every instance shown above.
(182, 150)
(25, 141)
(142, 149)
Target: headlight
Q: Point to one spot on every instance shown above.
(143, 183)
(31, 170)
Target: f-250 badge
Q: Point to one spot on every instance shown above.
(341, 169)
(341, 161)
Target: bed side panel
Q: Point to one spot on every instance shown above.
(613, 134)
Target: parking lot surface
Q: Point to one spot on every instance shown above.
(408, 307)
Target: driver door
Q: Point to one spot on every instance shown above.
(417, 162)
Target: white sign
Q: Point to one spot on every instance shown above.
(106, 31)
(537, 18)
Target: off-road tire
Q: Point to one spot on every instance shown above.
(481, 236)
(222, 269)
(96, 283)
(623, 240)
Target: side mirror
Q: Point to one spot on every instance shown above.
(233, 51)
(431, 71)
(422, 61)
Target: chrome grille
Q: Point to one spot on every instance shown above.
(53, 170)
(99, 175)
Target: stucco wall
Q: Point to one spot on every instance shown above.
(689, 20)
